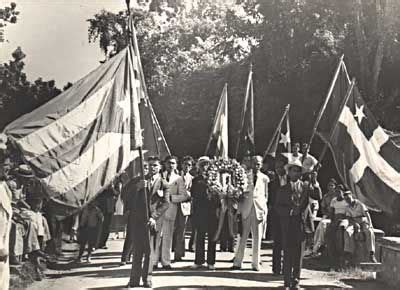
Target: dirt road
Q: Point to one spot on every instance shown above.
(105, 273)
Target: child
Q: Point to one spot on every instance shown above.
(90, 220)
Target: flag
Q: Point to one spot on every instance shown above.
(280, 144)
(218, 143)
(245, 144)
(337, 91)
(78, 142)
(366, 158)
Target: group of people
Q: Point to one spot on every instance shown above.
(280, 201)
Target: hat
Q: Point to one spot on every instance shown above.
(293, 162)
(3, 141)
(25, 171)
(203, 159)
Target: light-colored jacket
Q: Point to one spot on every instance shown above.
(5, 222)
(186, 205)
(178, 194)
(256, 196)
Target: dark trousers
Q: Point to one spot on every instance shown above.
(128, 243)
(210, 229)
(86, 236)
(276, 232)
(179, 235)
(105, 231)
(192, 235)
(293, 243)
(142, 253)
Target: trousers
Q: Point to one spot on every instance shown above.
(255, 226)
(179, 235)
(201, 232)
(293, 243)
(277, 246)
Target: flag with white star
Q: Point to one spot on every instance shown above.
(367, 159)
(78, 142)
(280, 145)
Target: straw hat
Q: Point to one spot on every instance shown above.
(292, 163)
(25, 171)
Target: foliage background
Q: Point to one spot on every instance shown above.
(191, 48)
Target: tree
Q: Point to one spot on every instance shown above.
(18, 96)
(8, 14)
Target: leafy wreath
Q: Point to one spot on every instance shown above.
(236, 179)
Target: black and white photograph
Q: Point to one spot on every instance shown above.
(199, 144)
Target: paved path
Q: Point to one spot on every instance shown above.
(105, 273)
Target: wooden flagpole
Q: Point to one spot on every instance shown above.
(132, 41)
(327, 98)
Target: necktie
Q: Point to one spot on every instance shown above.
(255, 179)
(168, 176)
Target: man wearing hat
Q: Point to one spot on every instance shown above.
(291, 204)
(204, 216)
(5, 221)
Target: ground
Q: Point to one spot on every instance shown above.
(104, 273)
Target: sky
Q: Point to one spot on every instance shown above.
(54, 36)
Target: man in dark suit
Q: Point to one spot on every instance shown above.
(204, 217)
(280, 179)
(128, 197)
(292, 201)
(144, 249)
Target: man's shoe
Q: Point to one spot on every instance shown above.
(178, 260)
(236, 268)
(88, 259)
(295, 284)
(196, 266)
(123, 263)
(211, 267)
(104, 247)
(133, 285)
(167, 267)
(255, 269)
(148, 284)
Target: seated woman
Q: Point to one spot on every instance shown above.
(320, 232)
(337, 214)
(359, 222)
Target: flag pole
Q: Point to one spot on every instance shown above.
(132, 41)
(244, 109)
(333, 130)
(327, 98)
(277, 129)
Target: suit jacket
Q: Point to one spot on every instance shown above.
(158, 200)
(177, 192)
(285, 207)
(257, 196)
(186, 207)
(204, 209)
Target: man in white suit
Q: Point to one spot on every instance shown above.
(253, 209)
(178, 194)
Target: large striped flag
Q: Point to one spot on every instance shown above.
(366, 156)
(218, 143)
(79, 141)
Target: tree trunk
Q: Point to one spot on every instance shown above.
(362, 44)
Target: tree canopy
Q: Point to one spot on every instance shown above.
(190, 49)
